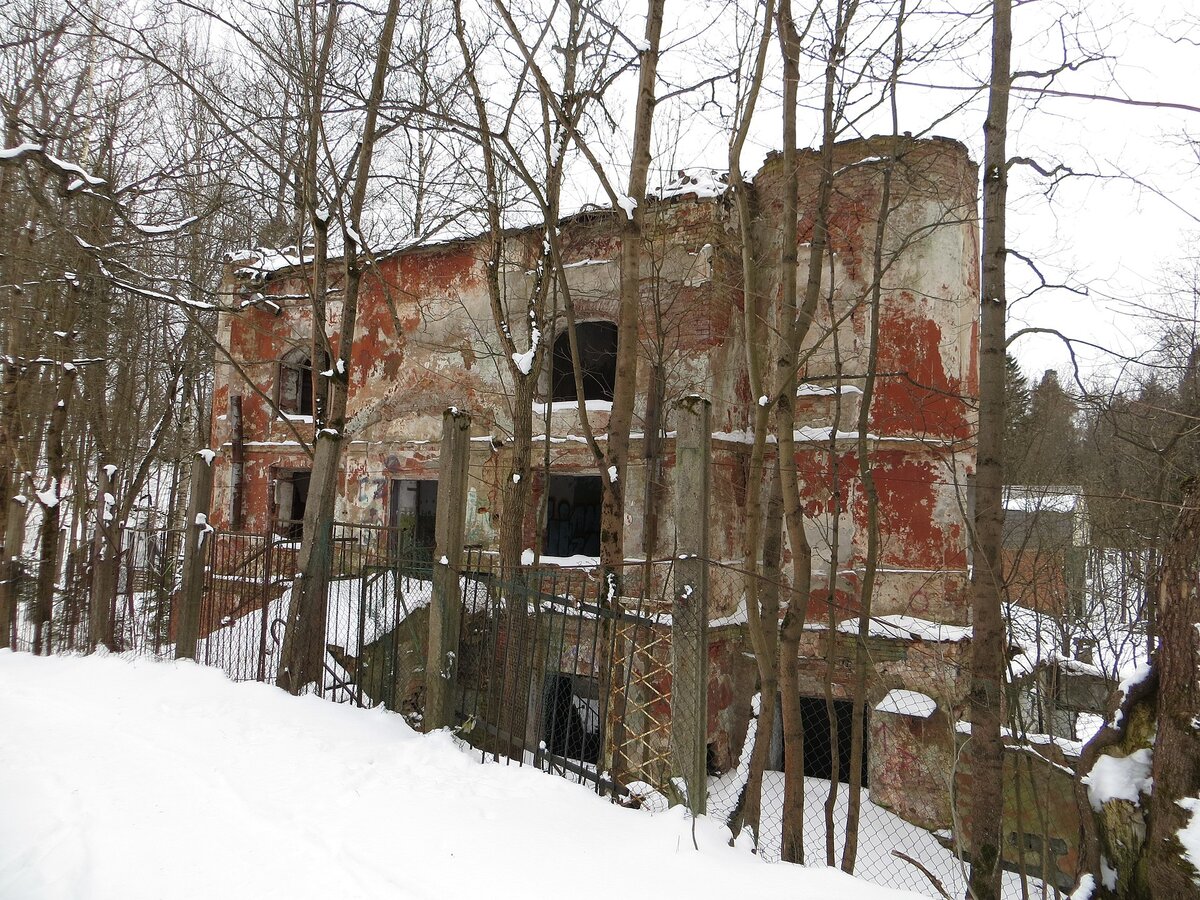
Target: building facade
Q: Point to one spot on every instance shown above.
(425, 341)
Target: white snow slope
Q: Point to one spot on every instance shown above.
(138, 779)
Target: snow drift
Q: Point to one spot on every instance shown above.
(137, 779)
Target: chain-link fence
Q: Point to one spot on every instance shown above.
(553, 664)
(612, 681)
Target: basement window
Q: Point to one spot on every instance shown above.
(571, 717)
(291, 499)
(818, 758)
(573, 516)
(597, 360)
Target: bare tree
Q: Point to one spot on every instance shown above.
(303, 648)
(985, 749)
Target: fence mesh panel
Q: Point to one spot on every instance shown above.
(555, 669)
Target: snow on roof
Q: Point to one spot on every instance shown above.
(1035, 639)
(908, 627)
(258, 263)
(701, 183)
(907, 703)
(1077, 666)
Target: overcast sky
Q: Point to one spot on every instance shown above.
(1119, 241)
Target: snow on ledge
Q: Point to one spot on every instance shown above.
(570, 562)
(811, 434)
(539, 409)
(907, 703)
(816, 390)
(908, 627)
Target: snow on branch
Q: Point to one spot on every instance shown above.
(75, 176)
(150, 293)
(172, 228)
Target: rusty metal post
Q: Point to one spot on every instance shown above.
(445, 610)
(196, 537)
(104, 560)
(689, 610)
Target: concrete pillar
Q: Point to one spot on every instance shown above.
(689, 611)
(445, 610)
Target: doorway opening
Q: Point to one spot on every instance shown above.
(412, 513)
(291, 499)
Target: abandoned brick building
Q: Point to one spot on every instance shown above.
(922, 420)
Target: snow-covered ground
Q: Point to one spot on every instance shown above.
(137, 779)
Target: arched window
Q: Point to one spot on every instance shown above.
(597, 359)
(294, 386)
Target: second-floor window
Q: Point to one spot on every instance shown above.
(294, 385)
(597, 361)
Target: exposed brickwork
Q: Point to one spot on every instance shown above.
(432, 346)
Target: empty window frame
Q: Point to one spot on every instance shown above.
(597, 361)
(294, 384)
(571, 717)
(573, 516)
(818, 758)
(412, 513)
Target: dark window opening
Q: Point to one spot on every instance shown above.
(412, 512)
(597, 361)
(573, 516)
(291, 499)
(818, 761)
(295, 384)
(571, 716)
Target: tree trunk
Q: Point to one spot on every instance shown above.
(984, 750)
(51, 516)
(767, 656)
(612, 507)
(866, 471)
(301, 658)
(1176, 766)
(762, 595)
